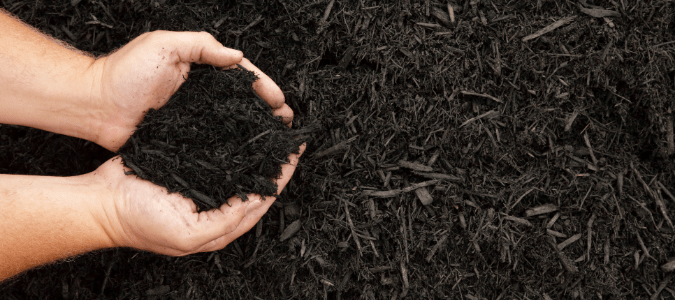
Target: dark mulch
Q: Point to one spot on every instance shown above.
(213, 140)
(548, 162)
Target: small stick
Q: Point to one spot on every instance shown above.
(567, 264)
(656, 196)
(396, 192)
(351, 226)
(663, 285)
(203, 198)
(520, 198)
(665, 190)
(570, 120)
(642, 245)
(372, 244)
(180, 180)
(549, 28)
(439, 176)
(518, 220)
(414, 166)
(451, 13)
(569, 241)
(588, 240)
(590, 149)
(257, 137)
(490, 114)
(326, 13)
(481, 95)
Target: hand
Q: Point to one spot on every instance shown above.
(148, 70)
(144, 216)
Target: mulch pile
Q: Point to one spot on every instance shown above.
(468, 149)
(214, 139)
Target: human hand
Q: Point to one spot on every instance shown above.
(148, 70)
(144, 216)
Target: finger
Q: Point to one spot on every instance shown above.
(219, 222)
(286, 114)
(288, 169)
(200, 47)
(264, 86)
(251, 219)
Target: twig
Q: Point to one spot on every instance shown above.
(569, 241)
(642, 245)
(396, 192)
(326, 13)
(491, 114)
(520, 198)
(588, 240)
(663, 285)
(340, 146)
(351, 226)
(656, 196)
(481, 95)
(567, 264)
(549, 28)
(665, 190)
(590, 149)
(439, 176)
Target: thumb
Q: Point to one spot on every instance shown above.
(203, 48)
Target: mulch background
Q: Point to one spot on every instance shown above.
(578, 120)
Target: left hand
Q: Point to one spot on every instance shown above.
(148, 70)
(144, 216)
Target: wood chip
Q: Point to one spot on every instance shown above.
(337, 148)
(599, 13)
(518, 220)
(439, 176)
(493, 114)
(203, 198)
(291, 230)
(424, 196)
(414, 166)
(569, 241)
(542, 209)
(396, 192)
(549, 28)
(555, 233)
(566, 262)
(482, 95)
(669, 266)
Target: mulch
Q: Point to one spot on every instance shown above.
(466, 150)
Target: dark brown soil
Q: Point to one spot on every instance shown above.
(214, 139)
(548, 160)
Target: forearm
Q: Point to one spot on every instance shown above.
(44, 219)
(45, 85)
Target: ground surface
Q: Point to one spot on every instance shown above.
(570, 139)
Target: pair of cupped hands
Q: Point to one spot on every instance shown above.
(142, 75)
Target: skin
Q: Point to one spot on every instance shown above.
(47, 85)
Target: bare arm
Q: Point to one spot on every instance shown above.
(42, 83)
(48, 86)
(43, 219)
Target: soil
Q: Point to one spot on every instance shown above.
(214, 139)
(474, 159)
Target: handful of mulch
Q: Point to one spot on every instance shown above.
(214, 139)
